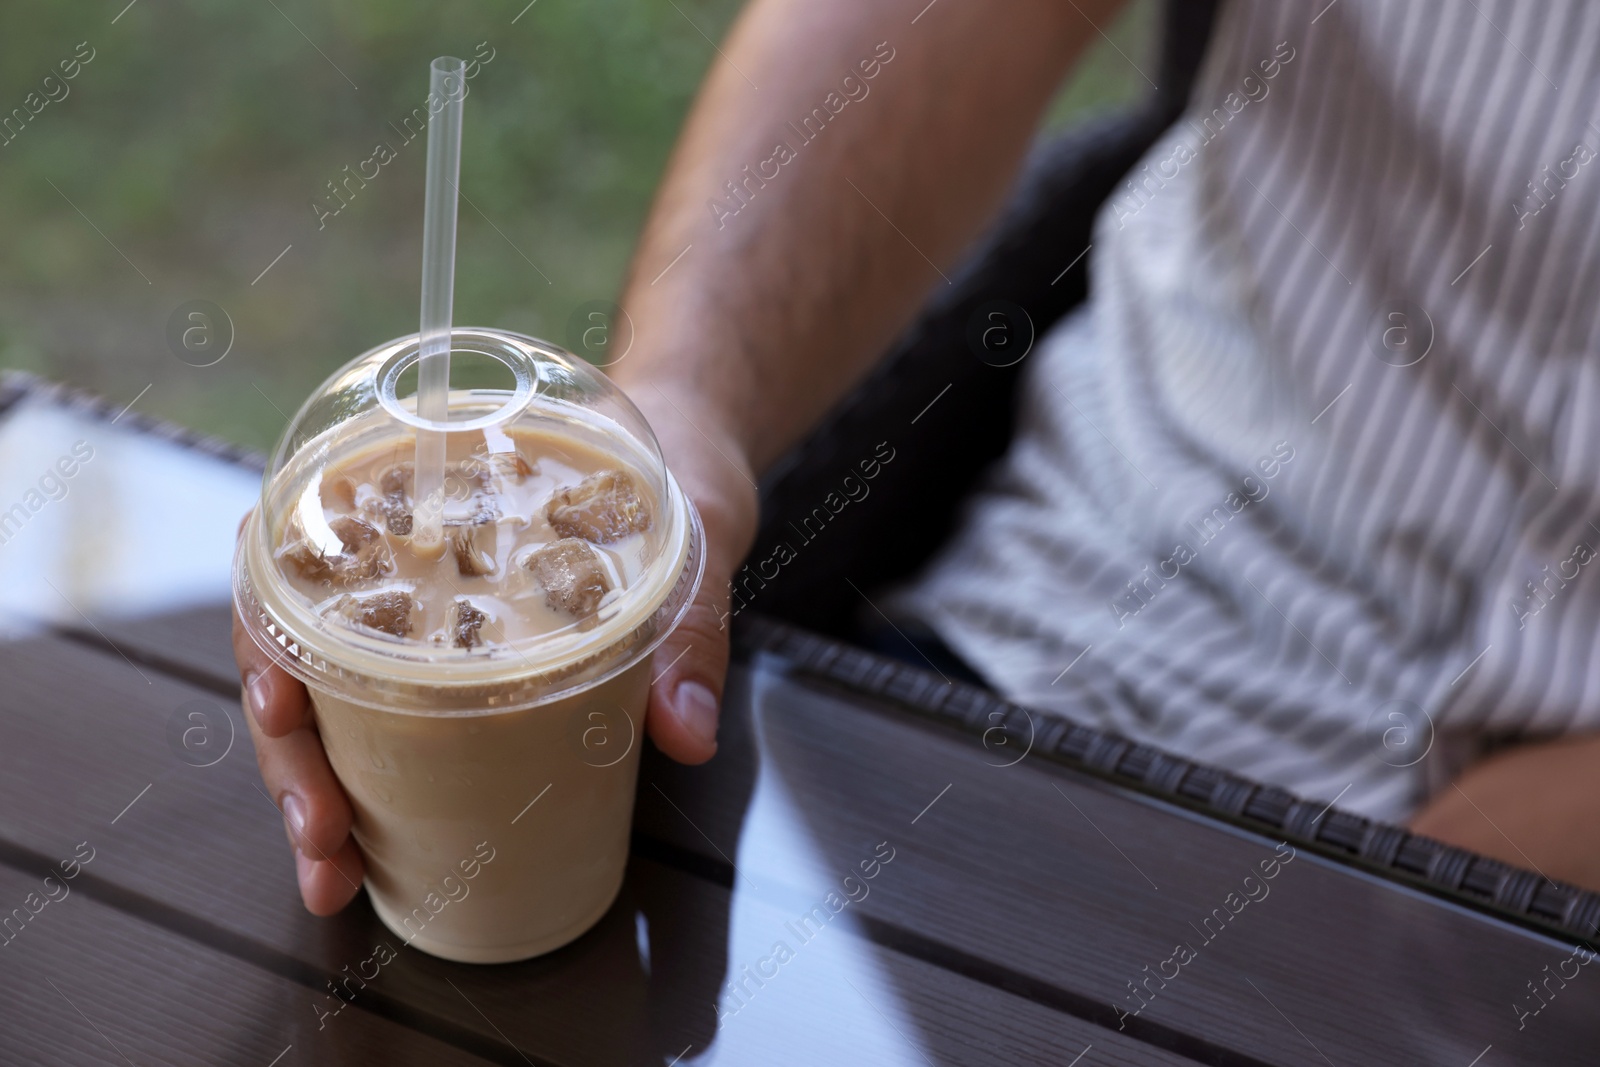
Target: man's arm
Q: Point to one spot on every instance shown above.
(833, 232)
(841, 156)
(774, 311)
(1530, 805)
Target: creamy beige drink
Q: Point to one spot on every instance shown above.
(538, 536)
(482, 705)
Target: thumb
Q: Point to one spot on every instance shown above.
(691, 665)
(690, 671)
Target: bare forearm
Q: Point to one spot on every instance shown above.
(1534, 805)
(837, 162)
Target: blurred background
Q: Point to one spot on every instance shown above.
(182, 161)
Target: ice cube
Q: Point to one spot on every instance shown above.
(463, 498)
(397, 480)
(388, 612)
(478, 509)
(481, 468)
(397, 518)
(471, 558)
(602, 508)
(341, 493)
(572, 575)
(395, 484)
(468, 498)
(512, 467)
(365, 555)
(464, 622)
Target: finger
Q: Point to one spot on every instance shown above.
(299, 780)
(317, 818)
(274, 699)
(692, 667)
(326, 886)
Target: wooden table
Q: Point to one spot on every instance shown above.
(1027, 874)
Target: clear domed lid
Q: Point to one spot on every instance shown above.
(567, 549)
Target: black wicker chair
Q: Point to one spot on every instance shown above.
(940, 452)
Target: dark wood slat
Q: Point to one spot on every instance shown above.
(202, 853)
(1050, 877)
(83, 983)
(195, 644)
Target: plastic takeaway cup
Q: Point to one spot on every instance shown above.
(483, 709)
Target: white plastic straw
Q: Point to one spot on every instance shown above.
(447, 90)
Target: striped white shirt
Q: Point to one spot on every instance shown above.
(1310, 489)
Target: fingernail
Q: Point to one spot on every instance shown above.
(696, 707)
(294, 810)
(258, 689)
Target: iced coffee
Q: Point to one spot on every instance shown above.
(481, 700)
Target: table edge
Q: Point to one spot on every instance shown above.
(1522, 897)
(17, 386)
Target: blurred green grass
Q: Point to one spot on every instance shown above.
(187, 153)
